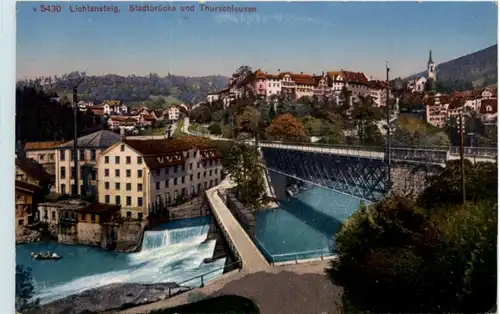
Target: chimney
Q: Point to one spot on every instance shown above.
(123, 135)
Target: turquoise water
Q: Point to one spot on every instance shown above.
(174, 252)
(304, 226)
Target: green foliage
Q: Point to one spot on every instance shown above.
(40, 119)
(415, 132)
(243, 165)
(215, 129)
(481, 184)
(25, 290)
(397, 256)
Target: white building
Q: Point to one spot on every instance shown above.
(211, 97)
(419, 84)
(173, 113)
(136, 173)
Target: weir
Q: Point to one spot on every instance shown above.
(174, 253)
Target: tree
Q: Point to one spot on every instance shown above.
(24, 290)
(286, 128)
(215, 129)
(200, 114)
(481, 184)
(248, 120)
(364, 114)
(244, 167)
(396, 257)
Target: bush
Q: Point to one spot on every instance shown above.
(396, 257)
(215, 129)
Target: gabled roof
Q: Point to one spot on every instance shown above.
(349, 76)
(489, 106)
(33, 169)
(99, 139)
(41, 145)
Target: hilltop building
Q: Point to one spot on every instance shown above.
(422, 83)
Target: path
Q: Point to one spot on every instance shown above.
(290, 289)
(252, 258)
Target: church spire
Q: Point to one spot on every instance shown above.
(430, 57)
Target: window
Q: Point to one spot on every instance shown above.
(128, 186)
(73, 189)
(122, 148)
(82, 155)
(199, 187)
(216, 171)
(117, 159)
(139, 216)
(205, 185)
(129, 214)
(139, 173)
(139, 160)
(139, 201)
(211, 183)
(106, 185)
(210, 173)
(117, 185)
(117, 173)
(128, 173)
(72, 172)
(106, 172)
(106, 199)
(63, 172)
(62, 154)
(216, 181)
(175, 181)
(53, 214)
(191, 166)
(204, 174)
(106, 159)
(92, 155)
(158, 172)
(166, 183)
(63, 188)
(128, 160)
(190, 177)
(197, 165)
(139, 187)
(183, 191)
(182, 179)
(157, 185)
(194, 155)
(129, 201)
(117, 200)
(199, 174)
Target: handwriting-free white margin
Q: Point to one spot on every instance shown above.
(7, 131)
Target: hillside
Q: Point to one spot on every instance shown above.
(478, 69)
(151, 90)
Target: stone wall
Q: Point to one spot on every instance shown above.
(129, 236)
(69, 235)
(244, 215)
(410, 180)
(90, 234)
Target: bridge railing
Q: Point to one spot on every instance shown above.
(476, 151)
(200, 280)
(302, 255)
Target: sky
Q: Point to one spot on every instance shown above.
(290, 36)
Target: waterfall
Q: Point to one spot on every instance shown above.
(165, 238)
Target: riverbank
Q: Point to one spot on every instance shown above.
(111, 298)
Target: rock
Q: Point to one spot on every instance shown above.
(111, 297)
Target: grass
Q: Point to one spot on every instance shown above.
(228, 304)
(178, 130)
(414, 124)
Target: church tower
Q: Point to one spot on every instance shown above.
(431, 68)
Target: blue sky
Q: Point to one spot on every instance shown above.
(299, 37)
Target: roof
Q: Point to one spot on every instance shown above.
(167, 152)
(99, 208)
(41, 145)
(73, 204)
(25, 186)
(489, 106)
(112, 102)
(374, 84)
(33, 169)
(349, 76)
(99, 139)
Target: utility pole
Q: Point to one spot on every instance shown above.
(462, 159)
(75, 142)
(388, 112)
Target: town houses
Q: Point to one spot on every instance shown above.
(294, 86)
